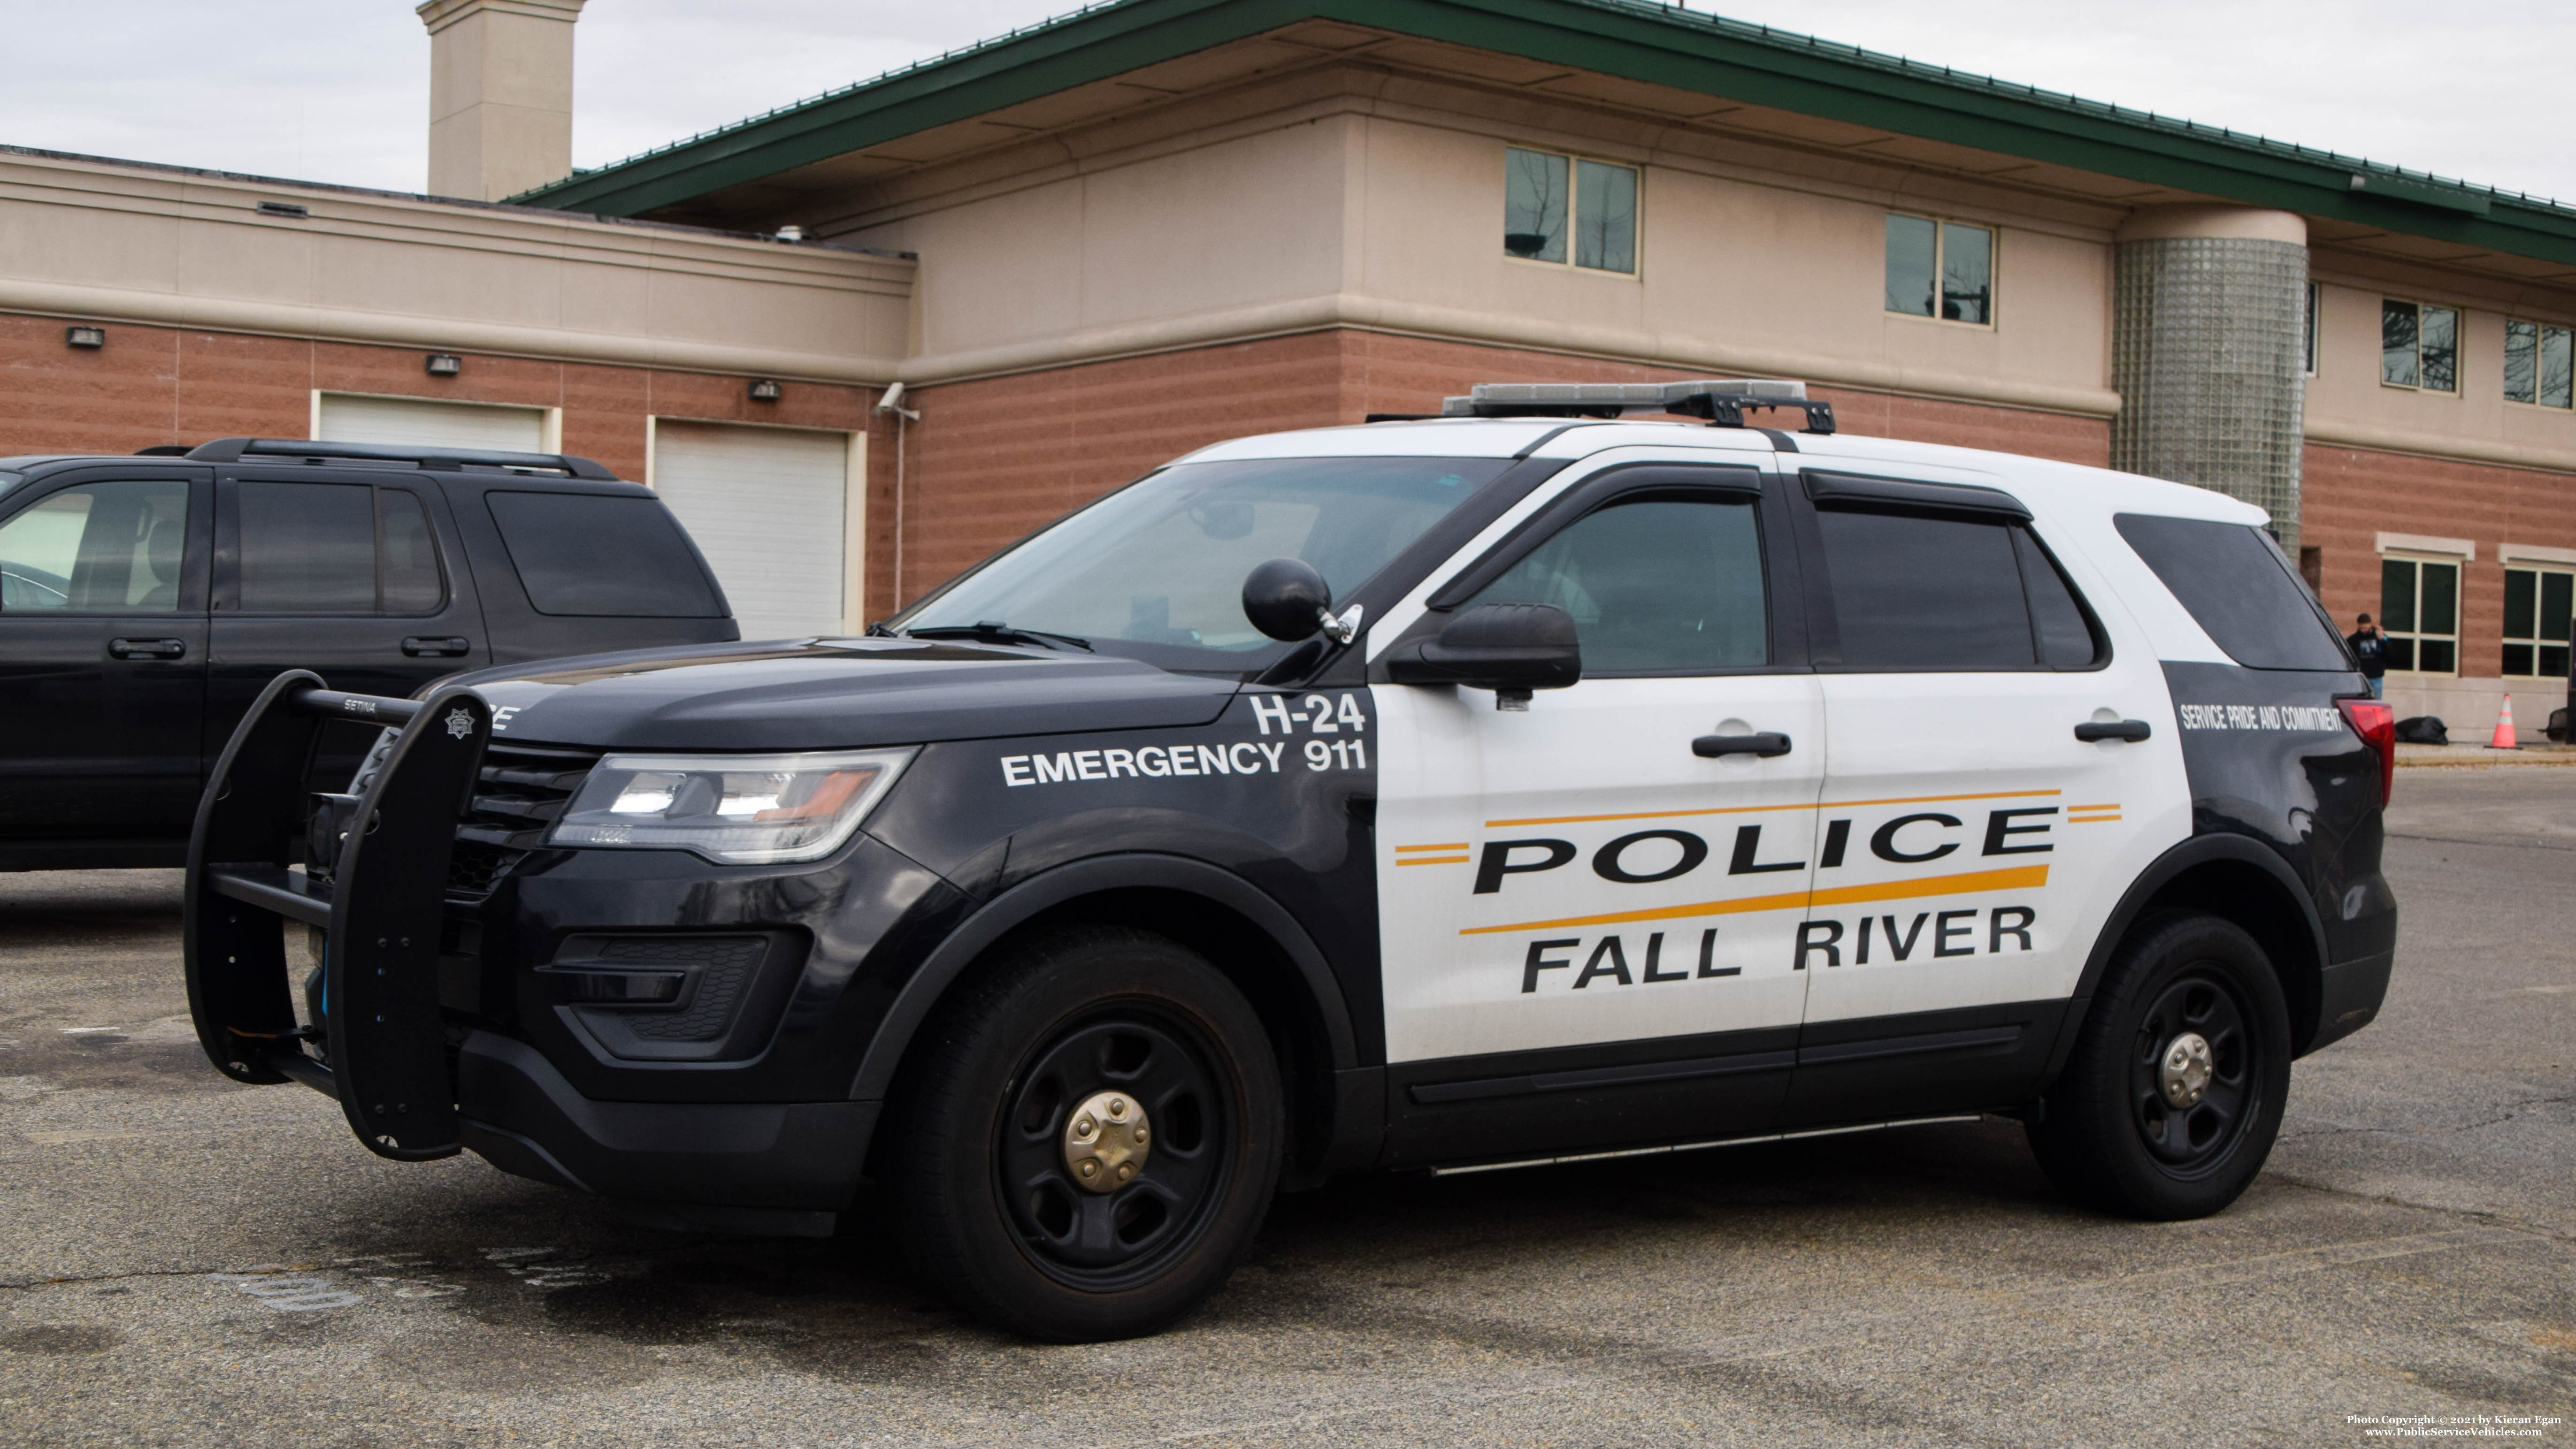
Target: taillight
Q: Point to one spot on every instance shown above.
(2376, 723)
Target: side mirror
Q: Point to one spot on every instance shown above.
(1287, 600)
(1510, 649)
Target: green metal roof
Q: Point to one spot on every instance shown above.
(1639, 41)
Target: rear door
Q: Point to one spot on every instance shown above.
(1971, 845)
(1586, 924)
(349, 575)
(102, 659)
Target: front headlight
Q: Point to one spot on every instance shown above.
(732, 809)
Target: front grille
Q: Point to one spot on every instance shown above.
(521, 789)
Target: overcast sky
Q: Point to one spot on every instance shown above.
(337, 90)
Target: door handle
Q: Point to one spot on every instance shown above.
(2131, 730)
(147, 648)
(421, 648)
(1767, 744)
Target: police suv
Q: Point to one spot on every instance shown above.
(1580, 773)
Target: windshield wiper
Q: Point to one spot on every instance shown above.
(994, 631)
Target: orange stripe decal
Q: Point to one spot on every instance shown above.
(1753, 809)
(1454, 845)
(2028, 877)
(1435, 860)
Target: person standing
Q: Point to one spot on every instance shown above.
(2371, 648)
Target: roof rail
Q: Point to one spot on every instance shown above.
(451, 460)
(1722, 401)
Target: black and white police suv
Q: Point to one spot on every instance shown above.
(1530, 784)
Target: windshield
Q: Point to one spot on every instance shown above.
(9, 480)
(1155, 570)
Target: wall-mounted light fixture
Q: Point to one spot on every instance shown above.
(77, 336)
(765, 389)
(788, 233)
(445, 364)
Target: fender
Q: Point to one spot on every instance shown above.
(2197, 851)
(912, 1005)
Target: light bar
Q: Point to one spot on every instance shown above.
(1720, 400)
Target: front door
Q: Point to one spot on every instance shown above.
(102, 670)
(347, 577)
(1972, 846)
(1586, 913)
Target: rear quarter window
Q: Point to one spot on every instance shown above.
(2238, 587)
(600, 555)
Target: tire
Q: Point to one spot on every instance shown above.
(990, 1124)
(2111, 1133)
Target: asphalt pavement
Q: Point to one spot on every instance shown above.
(185, 1261)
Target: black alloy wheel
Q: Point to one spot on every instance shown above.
(1102, 1219)
(2173, 1095)
(1085, 1136)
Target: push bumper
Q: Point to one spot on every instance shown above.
(374, 891)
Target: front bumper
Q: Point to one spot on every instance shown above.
(785, 1167)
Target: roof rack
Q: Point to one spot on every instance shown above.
(448, 460)
(1722, 401)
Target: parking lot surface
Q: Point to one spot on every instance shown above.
(185, 1261)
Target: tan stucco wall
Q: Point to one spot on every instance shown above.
(1356, 200)
(1731, 268)
(165, 246)
(2348, 404)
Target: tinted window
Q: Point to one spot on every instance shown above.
(1654, 586)
(2240, 590)
(408, 554)
(590, 554)
(1915, 592)
(307, 548)
(100, 548)
(2057, 621)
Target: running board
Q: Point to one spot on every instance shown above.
(1703, 1146)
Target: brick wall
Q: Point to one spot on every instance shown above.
(995, 458)
(2351, 495)
(153, 385)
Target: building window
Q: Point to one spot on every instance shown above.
(2537, 366)
(2312, 329)
(1942, 269)
(2419, 346)
(2537, 606)
(2419, 609)
(1541, 190)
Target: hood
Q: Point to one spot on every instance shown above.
(828, 694)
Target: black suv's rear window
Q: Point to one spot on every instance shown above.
(588, 553)
(2239, 588)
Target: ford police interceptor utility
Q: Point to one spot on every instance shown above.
(1533, 783)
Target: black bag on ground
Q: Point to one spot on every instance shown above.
(2422, 729)
(2557, 729)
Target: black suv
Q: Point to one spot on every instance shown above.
(145, 601)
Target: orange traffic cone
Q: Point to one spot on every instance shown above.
(2504, 728)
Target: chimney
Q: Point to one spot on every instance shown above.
(500, 95)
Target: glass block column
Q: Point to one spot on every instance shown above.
(2208, 352)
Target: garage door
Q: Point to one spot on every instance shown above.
(769, 506)
(429, 423)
